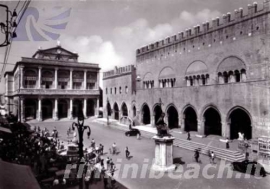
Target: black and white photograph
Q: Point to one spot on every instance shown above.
(134, 94)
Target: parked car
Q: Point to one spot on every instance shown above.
(133, 132)
(251, 167)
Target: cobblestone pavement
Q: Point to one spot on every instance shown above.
(143, 153)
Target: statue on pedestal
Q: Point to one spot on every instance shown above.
(162, 129)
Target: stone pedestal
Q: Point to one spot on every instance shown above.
(163, 154)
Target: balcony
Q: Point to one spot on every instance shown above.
(56, 92)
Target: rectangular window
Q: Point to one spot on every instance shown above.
(77, 85)
(90, 86)
(30, 84)
(62, 85)
(46, 85)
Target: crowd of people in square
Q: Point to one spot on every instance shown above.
(40, 149)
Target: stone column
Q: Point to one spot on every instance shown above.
(97, 108)
(56, 78)
(182, 122)
(85, 80)
(55, 114)
(39, 112)
(201, 126)
(71, 109)
(166, 119)
(39, 77)
(22, 110)
(98, 80)
(153, 120)
(160, 84)
(227, 129)
(85, 107)
(21, 79)
(71, 80)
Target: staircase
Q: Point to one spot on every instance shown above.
(220, 153)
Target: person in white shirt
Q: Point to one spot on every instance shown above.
(114, 148)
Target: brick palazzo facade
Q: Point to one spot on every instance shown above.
(213, 79)
(52, 84)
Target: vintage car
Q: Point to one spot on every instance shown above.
(250, 167)
(133, 132)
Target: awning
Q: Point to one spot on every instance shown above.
(6, 130)
(14, 176)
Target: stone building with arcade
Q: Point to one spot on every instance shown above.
(52, 85)
(212, 79)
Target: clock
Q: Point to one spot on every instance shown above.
(59, 51)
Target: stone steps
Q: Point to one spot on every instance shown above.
(220, 153)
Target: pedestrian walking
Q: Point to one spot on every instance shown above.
(100, 149)
(227, 144)
(114, 148)
(188, 136)
(197, 155)
(107, 163)
(93, 143)
(212, 158)
(127, 153)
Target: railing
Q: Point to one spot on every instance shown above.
(30, 86)
(57, 91)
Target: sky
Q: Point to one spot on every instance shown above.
(106, 32)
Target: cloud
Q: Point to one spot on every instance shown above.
(188, 20)
(139, 33)
(93, 49)
(120, 50)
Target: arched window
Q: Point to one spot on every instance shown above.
(230, 70)
(115, 90)
(196, 74)
(120, 90)
(126, 89)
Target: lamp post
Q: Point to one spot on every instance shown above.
(6, 28)
(81, 128)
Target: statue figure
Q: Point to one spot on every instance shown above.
(75, 139)
(162, 129)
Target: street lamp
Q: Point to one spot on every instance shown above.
(81, 128)
(6, 28)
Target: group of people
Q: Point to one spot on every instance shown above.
(32, 149)
(211, 155)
